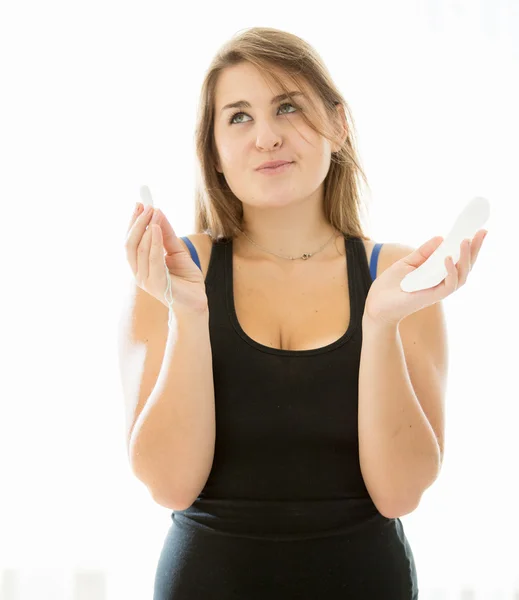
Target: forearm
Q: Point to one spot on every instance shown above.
(399, 453)
(172, 445)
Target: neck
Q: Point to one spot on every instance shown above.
(267, 234)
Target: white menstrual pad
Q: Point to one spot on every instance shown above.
(433, 271)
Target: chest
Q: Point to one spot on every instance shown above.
(308, 309)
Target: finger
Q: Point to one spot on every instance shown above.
(451, 281)
(464, 265)
(421, 254)
(143, 256)
(477, 242)
(136, 213)
(134, 236)
(170, 240)
(468, 259)
(156, 267)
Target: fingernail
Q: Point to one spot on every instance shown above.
(155, 218)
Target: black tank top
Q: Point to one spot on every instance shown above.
(286, 462)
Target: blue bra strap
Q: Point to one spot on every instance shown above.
(372, 266)
(374, 260)
(192, 251)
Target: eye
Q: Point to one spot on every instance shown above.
(232, 122)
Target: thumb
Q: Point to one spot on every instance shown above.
(421, 254)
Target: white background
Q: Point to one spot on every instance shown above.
(99, 98)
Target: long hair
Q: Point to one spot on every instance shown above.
(218, 212)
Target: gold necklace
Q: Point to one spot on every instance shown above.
(304, 256)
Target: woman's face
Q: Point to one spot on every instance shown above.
(266, 131)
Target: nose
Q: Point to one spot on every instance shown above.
(268, 143)
(267, 136)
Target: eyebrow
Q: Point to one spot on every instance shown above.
(245, 104)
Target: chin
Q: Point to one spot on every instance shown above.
(279, 200)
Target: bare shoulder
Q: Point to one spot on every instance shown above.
(203, 246)
(389, 253)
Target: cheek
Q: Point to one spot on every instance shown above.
(231, 154)
(320, 151)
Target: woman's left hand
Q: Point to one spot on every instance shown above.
(387, 303)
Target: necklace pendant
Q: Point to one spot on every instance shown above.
(306, 256)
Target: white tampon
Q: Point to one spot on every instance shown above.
(146, 195)
(147, 199)
(433, 271)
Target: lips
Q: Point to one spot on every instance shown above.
(273, 171)
(273, 164)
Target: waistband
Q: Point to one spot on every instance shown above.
(281, 519)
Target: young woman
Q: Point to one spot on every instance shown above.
(292, 410)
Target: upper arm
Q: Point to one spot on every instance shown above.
(142, 336)
(425, 344)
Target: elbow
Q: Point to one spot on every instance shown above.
(391, 505)
(399, 507)
(396, 509)
(170, 503)
(396, 513)
(164, 496)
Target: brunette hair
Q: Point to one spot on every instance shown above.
(218, 212)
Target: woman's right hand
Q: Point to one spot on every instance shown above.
(151, 244)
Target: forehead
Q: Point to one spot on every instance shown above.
(245, 82)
